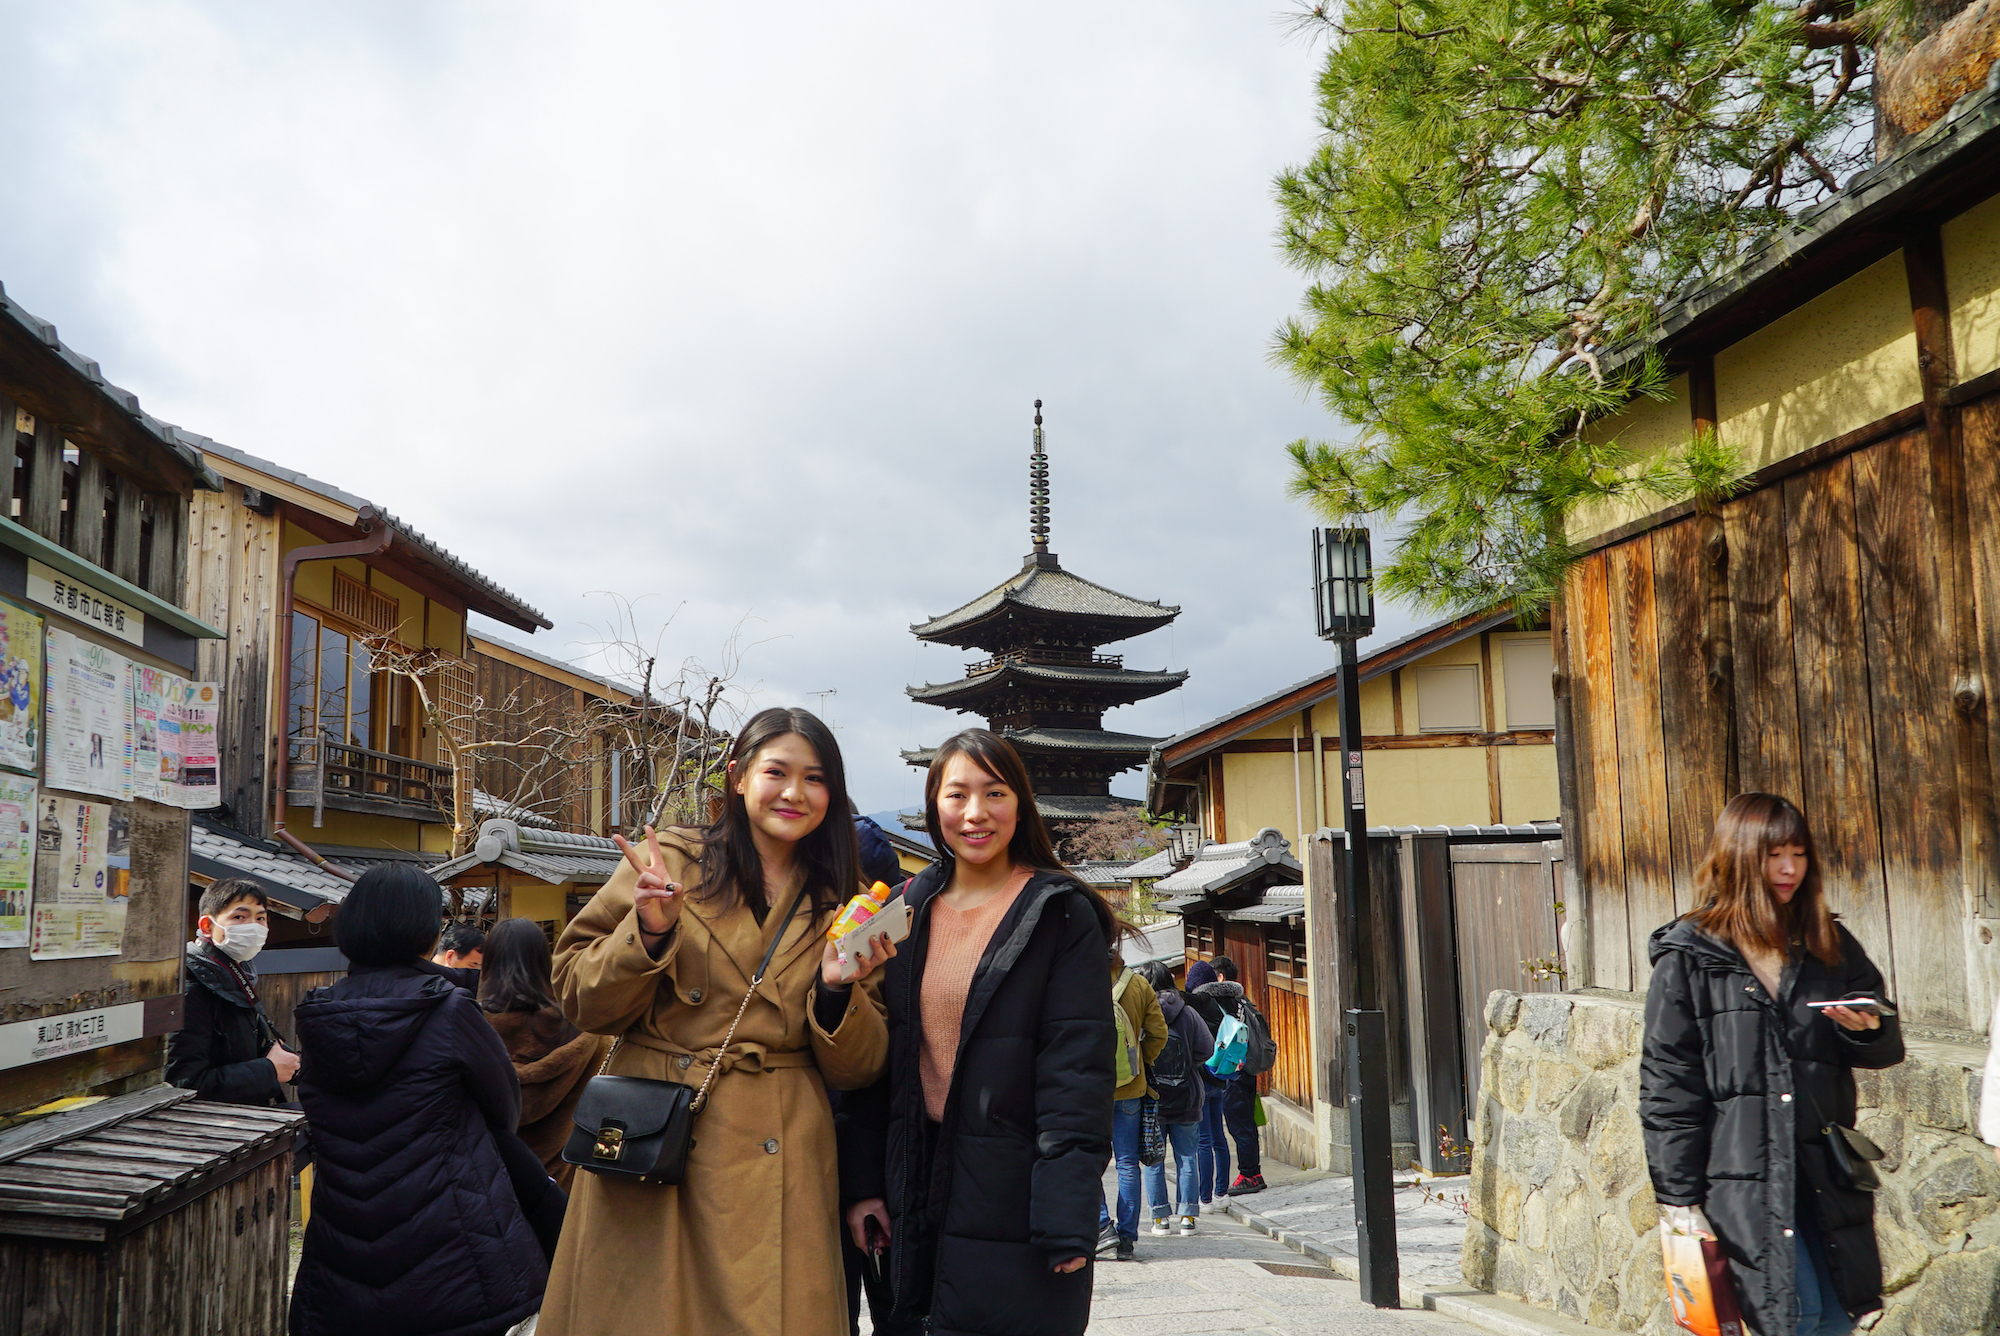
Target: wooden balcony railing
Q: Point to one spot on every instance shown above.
(1062, 658)
(326, 773)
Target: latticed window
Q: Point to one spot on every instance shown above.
(366, 608)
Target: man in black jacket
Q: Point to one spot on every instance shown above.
(227, 1049)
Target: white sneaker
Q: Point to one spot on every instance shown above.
(1163, 1225)
(1187, 1225)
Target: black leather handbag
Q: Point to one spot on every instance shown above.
(639, 1130)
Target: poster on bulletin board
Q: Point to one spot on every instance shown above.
(88, 718)
(17, 857)
(20, 688)
(173, 739)
(83, 878)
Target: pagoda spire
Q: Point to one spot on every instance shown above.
(1038, 495)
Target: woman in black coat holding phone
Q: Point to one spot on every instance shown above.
(981, 1153)
(1743, 1077)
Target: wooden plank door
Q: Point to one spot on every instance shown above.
(1504, 901)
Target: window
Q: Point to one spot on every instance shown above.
(1527, 670)
(335, 692)
(1448, 699)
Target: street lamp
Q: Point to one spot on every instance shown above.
(1344, 599)
(1185, 841)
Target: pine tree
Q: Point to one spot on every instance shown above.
(1504, 195)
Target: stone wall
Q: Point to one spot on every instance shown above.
(1562, 1214)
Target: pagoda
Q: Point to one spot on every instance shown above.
(1043, 685)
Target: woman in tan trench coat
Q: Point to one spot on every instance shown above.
(746, 1244)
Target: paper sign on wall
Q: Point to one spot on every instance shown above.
(87, 718)
(83, 878)
(17, 857)
(20, 688)
(173, 739)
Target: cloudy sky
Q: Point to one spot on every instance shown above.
(737, 310)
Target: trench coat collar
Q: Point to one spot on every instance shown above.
(744, 940)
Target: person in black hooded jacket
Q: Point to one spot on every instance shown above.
(981, 1153)
(227, 1049)
(412, 1101)
(1741, 1075)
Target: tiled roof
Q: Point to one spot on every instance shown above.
(497, 603)
(1050, 590)
(1101, 872)
(125, 402)
(553, 856)
(1279, 903)
(1219, 868)
(214, 850)
(1075, 739)
(1160, 864)
(1137, 683)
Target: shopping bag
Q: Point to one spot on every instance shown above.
(1257, 1114)
(1698, 1285)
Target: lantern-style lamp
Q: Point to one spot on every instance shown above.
(1186, 841)
(1343, 584)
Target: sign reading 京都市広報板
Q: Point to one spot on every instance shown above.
(17, 857)
(83, 877)
(51, 588)
(88, 718)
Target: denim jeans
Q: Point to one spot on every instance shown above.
(1820, 1313)
(1187, 1173)
(1125, 1150)
(1238, 1110)
(1212, 1148)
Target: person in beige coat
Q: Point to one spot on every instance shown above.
(746, 1244)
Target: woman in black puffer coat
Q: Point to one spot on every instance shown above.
(1740, 1073)
(987, 1167)
(416, 1228)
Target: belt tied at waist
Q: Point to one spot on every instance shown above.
(737, 1057)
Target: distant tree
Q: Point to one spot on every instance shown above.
(1112, 837)
(1504, 196)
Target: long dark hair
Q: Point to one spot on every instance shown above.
(514, 975)
(1737, 906)
(731, 871)
(1031, 846)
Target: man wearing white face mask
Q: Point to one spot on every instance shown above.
(227, 1049)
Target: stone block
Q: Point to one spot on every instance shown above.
(1904, 1255)
(1642, 1283)
(1959, 1294)
(1511, 1270)
(1929, 1093)
(1617, 1151)
(1955, 1195)
(1568, 1305)
(1506, 1216)
(1516, 1079)
(1553, 1082)
(1602, 1310)
(1544, 1018)
(1888, 1131)
(1586, 1102)
(1535, 1222)
(1603, 1036)
(1476, 1258)
(1531, 1148)
(1643, 1211)
(1575, 1249)
(1502, 1008)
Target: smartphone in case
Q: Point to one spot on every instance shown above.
(1867, 1004)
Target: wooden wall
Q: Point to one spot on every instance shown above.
(520, 701)
(1812, 640)
(234, 585)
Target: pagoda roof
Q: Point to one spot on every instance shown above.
(1129, 684)
(1054, 807)
(1045, 590)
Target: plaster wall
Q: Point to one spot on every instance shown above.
(1645, 427)
(544, 904)
(1972, 282)
(1424, 786)
(1257, 792)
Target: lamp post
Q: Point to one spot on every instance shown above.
(1344, 597)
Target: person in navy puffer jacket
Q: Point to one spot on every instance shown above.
(416, 1228)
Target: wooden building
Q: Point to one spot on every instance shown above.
(93, 877)
(1832, 632)
(1458, 729)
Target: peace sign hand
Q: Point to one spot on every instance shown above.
(657, 899)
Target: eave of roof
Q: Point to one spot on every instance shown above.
(1123, 684)
(410, 544)
(120, 407)
(1203, 738)
(1937, 174)
(1048, 591)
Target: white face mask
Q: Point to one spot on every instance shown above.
(239, 941)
